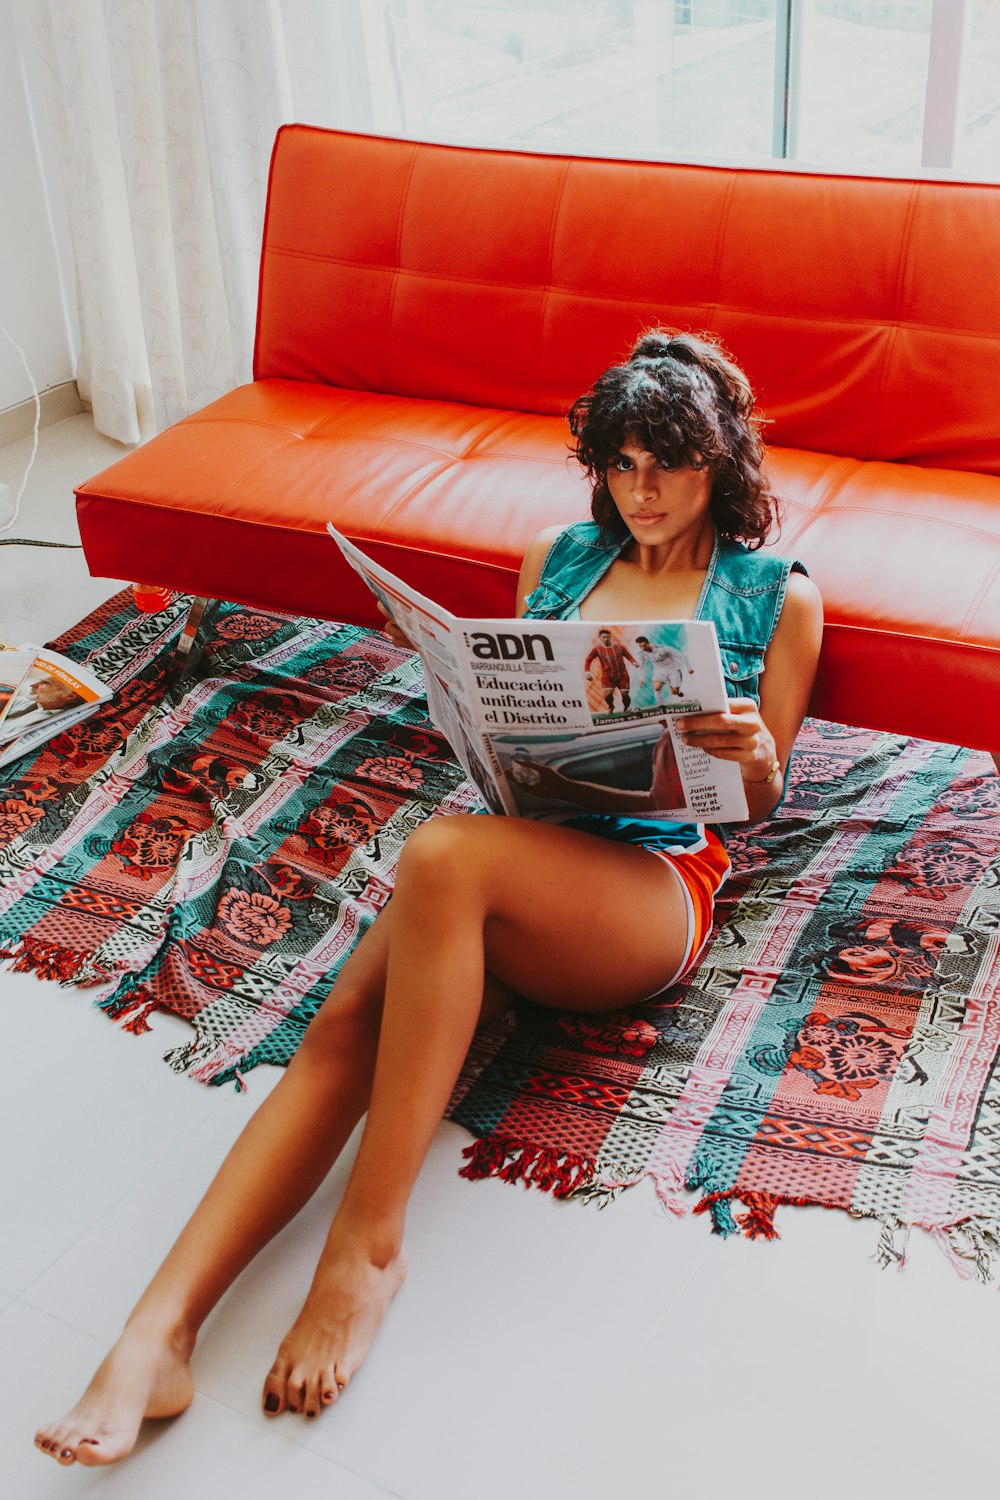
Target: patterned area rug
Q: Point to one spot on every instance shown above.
(217, 851)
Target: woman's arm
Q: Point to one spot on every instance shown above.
(756, 738)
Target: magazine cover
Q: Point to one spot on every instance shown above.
(15, 664)
(52, 693)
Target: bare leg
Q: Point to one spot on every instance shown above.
(564, 919)
(289, 1145)
(448, 928)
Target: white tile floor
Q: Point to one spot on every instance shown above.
(538, 1350)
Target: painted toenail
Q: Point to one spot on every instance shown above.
(66, 1453)
(270, 1403)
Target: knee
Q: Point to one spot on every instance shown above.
(443, 852)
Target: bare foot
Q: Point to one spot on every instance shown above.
(141, 1377)
(329, 1339)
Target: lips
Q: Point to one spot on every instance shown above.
(640, 520)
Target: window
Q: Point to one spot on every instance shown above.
(874, 86)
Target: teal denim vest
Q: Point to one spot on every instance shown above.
(742, 594)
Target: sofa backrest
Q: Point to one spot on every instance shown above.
(865, 311)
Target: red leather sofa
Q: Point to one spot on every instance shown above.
(427, 314)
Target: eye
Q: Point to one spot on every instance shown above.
(620, 464)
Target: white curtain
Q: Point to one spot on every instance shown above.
(164, 113)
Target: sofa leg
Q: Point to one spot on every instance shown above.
(183, 656)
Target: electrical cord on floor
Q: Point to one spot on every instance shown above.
(27, 541)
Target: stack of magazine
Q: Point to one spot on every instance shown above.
(41, 694)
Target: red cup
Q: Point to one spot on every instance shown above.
(151, 597)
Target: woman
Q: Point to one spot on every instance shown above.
(488, 908)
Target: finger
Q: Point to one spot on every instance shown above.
(709, 724)
(724, 735)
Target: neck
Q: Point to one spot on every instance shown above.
(690, 552)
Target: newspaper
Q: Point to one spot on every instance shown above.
(42, 693)
(549, 717)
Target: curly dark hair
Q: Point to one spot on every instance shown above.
(680, 397)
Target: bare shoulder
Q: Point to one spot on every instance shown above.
(791, 662)
(534, 560)
(801, 618)
(793, 655)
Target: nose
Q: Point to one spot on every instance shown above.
(644, 485)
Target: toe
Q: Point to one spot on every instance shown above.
(274, 1393)
(311, 1403)
(295, 1391)
(90, 1452)
(65, 1456)
(54, 1440)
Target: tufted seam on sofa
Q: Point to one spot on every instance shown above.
(893, 324)
(380, 438)
(418, 484)
(524, 458)
(843, 470)
(197, 420)
(981, 593)
(907, 515)
(403, 198)
(245, 474)
(547, 288)
(837, 320)
(713, 304)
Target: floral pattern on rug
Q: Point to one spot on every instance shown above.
(216, 848)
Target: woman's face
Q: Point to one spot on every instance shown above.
(657, 504)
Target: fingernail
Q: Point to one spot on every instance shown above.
(270, 1403)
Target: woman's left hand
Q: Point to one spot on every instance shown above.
(737, 733)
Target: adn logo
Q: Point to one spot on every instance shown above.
(488, 647)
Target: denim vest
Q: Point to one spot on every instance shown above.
(742, 594)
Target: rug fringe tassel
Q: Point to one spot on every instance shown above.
(972, 1246)
(890, 1249)
(512, 1159)
(132, 1006)
(67, 966)
(670, 1192)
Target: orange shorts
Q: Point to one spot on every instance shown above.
(703, 871)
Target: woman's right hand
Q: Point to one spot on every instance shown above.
(392, 630)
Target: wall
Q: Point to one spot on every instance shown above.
(37, 303)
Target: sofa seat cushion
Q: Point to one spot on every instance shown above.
(449, 495)
(446, 495)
